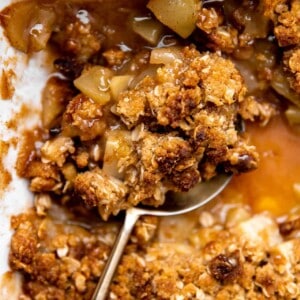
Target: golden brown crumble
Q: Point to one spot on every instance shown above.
(197, 99)
(231, 257)
(79, 39)
(285, 15)
(291, 61)
(83, 118)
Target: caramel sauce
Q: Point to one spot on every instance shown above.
(7, 88)
(5, 176)
(27, 150)
(273, 186)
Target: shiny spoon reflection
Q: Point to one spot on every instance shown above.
(181, 203)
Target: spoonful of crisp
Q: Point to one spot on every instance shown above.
(181, 203)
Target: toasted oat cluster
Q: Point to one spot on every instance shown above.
(231, 254)
(292, 65)
(285, 15)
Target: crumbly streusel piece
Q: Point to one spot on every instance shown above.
(291, 61)
(199, 94)
(83, 117)
(98, 189)
(285, 15)
(79, 39)
(232, 29)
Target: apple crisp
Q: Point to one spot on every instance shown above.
(138, 106)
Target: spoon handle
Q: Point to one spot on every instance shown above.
(101, 291)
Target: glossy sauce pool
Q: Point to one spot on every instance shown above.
(274, 186)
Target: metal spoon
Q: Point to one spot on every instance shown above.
(181, 203)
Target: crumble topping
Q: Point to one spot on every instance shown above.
(235, 254)
(196, 100)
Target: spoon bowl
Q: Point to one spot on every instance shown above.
(180, 203)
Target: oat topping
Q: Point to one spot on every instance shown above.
(255, 261)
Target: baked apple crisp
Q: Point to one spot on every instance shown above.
(137, 107)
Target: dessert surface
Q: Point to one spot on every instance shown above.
(138, 106)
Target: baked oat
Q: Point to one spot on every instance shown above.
(229, 254)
